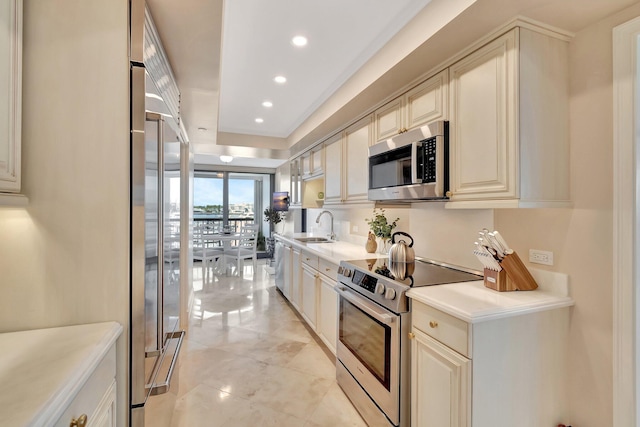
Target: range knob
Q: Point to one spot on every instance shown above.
(379, 289)
(390, 293)
(347, 272)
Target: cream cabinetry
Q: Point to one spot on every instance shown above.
(312, 162)
(509, 123)
(296, 287)
(309, 295)
(346, 178)
(328, 304)
(440, 383)
(421, 105)
(96, 400)
(11, 76)
(286, 268)
(501, 370)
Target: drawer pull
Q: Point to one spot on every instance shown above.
(433, 324)
(308, 259)
(411, 335)
(80, 422)
(327, 269)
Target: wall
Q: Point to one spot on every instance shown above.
(64, 258)
(581, 238)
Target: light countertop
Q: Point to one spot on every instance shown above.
(473, 302)
(335, 252)
(42, 370)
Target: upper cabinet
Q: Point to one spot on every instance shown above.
(509, 117)
(346, 177)
(421, 105)
(11, 96)
(312, 162)
(295, 184)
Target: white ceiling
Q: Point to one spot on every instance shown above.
(254, 45)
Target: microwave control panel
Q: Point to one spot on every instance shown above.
(429, 156)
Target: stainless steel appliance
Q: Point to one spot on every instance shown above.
(411, 166)
(373, 352)
(156, 229)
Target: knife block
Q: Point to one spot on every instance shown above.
(514, 276)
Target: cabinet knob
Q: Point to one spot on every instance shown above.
(81, 421)
(448, 194)
(433, 324)
(327, 269)
(411, 335)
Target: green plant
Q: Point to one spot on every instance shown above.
(261, 243)
(272, 216)
(380, 225)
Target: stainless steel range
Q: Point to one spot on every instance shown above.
(373, 351)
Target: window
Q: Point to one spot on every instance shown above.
(231, 199)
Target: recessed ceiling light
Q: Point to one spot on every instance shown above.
(226, 159)
(267, 104)
(259, 120)
(299, 41)
(280, 79)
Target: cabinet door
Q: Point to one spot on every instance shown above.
(295, 183)
(357, 139)
(328, 312)
(317, 160)
(286, 261)
(296, 287)
(483, 131)
(440, 387)
(388, 119)
(428, 101)
(309, 298)
(333, 172)
(306, 167)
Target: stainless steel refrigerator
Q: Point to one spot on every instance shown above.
(155, 335)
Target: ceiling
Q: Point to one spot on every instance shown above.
(225, 72)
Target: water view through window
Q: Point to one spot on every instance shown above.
(230, 198)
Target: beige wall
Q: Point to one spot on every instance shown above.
(581, 238)
(64, 258)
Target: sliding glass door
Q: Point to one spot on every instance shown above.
(231, 199)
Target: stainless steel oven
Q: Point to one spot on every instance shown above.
(370, 352)
(373, 350)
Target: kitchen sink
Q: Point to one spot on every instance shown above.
(314, 240)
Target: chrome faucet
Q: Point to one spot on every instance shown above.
(332, 236)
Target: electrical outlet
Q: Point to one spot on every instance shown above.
(540, 257)
(355, 228)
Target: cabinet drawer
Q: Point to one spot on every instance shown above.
(309, 259)
(447, 329)
(328, 268)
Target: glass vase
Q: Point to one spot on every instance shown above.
(384, 245)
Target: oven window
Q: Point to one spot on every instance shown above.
(368, 340)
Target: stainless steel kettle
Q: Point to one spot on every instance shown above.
(400, 251)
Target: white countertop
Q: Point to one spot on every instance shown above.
(473, 302)
(335, 252)
(42, 370)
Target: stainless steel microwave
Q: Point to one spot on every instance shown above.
(411, 166)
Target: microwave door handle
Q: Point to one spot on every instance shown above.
(365, 306)
(414, 162)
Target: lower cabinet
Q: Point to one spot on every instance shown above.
(96, 400)
(309, 295)
(296, 287)
(505, 371)
(440, 382)
(328, 312)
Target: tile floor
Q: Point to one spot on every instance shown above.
(248, 360)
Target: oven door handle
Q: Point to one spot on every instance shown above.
(373, 310)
